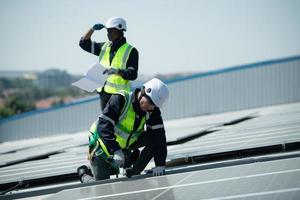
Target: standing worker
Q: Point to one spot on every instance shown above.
(129, 121)
(118, 57)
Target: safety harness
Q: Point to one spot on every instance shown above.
(124, 131)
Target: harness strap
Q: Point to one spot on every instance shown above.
(100, 150)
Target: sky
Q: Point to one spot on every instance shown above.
(172, 36)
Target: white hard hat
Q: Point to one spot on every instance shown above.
(157, 91)
(116, 22)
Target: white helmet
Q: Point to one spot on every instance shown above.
(157, 91)
(116, 22)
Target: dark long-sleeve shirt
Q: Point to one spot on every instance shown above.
(154, 123)
(131, 71)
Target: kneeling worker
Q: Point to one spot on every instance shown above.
(119, 132)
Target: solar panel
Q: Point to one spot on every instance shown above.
(264, 180)
(40, 149)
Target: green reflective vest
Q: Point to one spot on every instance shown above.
(115, 82)
(125, 135)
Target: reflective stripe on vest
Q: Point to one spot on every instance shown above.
(124, 128)
(98, 148)
(115, 83)
(94, 139)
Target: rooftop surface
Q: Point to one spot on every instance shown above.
(248, 154)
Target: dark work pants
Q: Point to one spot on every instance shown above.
(104, 97)
(102, 169)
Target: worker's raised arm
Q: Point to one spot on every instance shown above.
(90, 46)
(89, 33)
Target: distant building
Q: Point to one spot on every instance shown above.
(230, 89)
(53, 78)
(47, 103)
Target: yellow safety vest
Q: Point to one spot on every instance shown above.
(123, 130)
(115, 82)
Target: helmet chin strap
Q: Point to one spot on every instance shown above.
(140, 95)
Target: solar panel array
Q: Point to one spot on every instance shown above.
(270, 128)
(267, 180)
(277, 126)
(71, 150)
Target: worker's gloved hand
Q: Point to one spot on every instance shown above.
(119, 158)
(110, 71)
(98, 27)
(158, 171)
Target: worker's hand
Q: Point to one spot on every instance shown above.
(158, 171)
(98, 27)
(110, 71)
(119, 158)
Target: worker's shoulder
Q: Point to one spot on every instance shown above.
(155, 113)
(157, 110)
(133, 47)
(134, 52)
(118, 98)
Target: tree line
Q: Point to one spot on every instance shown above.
(20, 95)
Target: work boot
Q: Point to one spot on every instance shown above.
(130, 172)
(84, 173)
